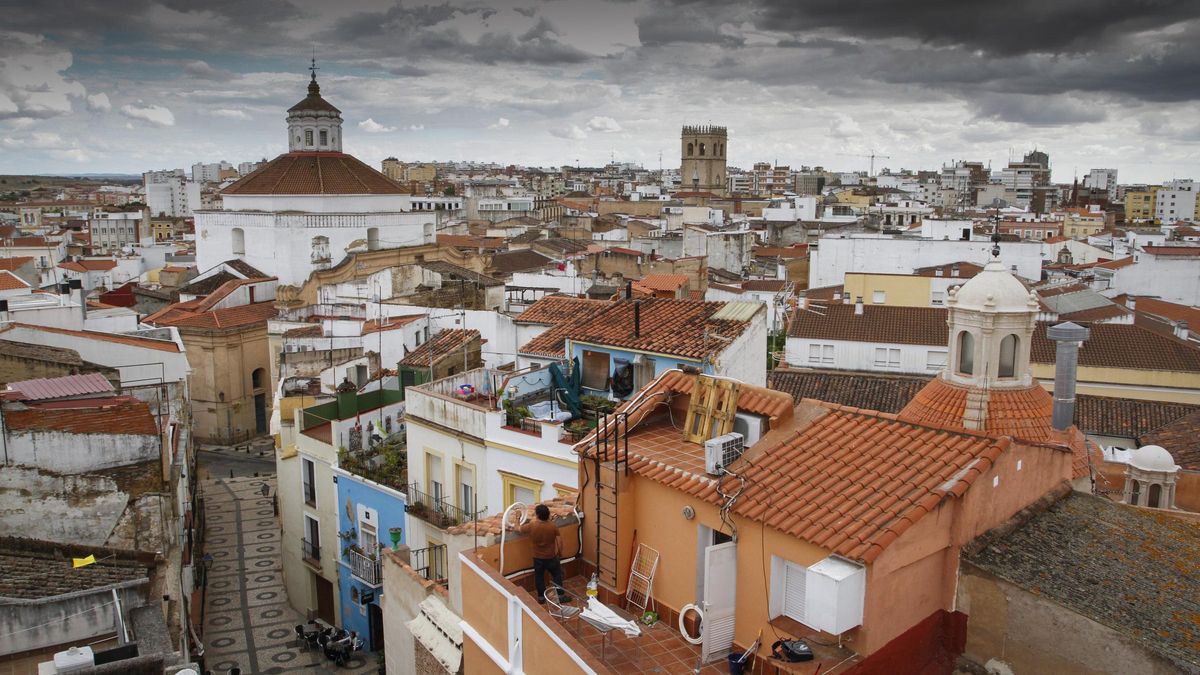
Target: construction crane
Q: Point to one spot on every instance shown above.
(871, 156)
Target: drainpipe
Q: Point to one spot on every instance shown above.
(1067, 337)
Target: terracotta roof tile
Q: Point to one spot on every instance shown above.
(552, 310)
(509, 262)
(131, 340)
(661, 282)
(1190, 251)
(873, 391)
(1023, 413)
(1168, 310)
(15, 262)
(58, 387)
(668, 326)
(438, 347)
(315, 173)
(124, 415)
(1181, 438)
(184, 316)
(11, 282)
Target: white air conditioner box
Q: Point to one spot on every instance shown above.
(752, 427)
(721, 451)
(74, 659)
(834, 591)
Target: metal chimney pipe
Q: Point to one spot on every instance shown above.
(76, 286)
(858, 306)
(1067, 337)
(637, 318)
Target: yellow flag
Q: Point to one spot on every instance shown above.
(82, 562)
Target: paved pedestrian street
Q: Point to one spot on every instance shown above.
(248, 623)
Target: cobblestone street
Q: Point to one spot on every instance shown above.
(248, 623)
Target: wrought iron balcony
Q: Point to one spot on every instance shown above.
(436, 511)
(365, 567)
(431, 563)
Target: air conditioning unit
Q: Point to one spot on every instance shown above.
(750, 426)
(722, 451)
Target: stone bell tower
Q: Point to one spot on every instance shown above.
(702, 159)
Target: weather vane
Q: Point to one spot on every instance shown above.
(313, 68)
(996, 236)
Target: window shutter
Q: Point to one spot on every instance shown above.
(793, 591)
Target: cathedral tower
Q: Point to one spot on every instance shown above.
(702, 155)
(314, 124)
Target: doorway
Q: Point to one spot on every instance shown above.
(260, 413)
(325, 610)
(375, 626)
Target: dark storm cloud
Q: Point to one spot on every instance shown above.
(413, 31)
(1045, 111)
(1011, 27)
(408, 71)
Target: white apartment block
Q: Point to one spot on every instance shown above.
(1102, 179)
(1176, 201)
(169, 193)
(209, 173)
(113, 230)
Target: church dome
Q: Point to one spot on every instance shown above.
(314, 103)
(995, 289)
(1152, 458)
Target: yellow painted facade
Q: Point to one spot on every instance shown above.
(897, 290)
(1077, 226)
(1139, 204)
(1149, 385)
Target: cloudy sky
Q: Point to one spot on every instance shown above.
(131, 85)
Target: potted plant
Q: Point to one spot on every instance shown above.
(396, 533)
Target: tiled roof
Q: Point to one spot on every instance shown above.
(1168, 310)
(14, 262)
(661, 282)
(552, 310)
(1111, 345)
(455, 271)
(770, 285)
(245, 269)
(1116, 264)
(30, 570)
(121, 415)
(86, 265)
(668, 326)
(469, 241)
(872, 391)
(560, 507)
(58, 387)
(27, 242)
(751, 399)
(799, 251)
(966, 270)
(312, 330)
(1180, 437)
(878, 323)
(11, 282)
(438, 347)
(1104, 313)
(1127, 568)
(854, 481)
(131, 340)
(518, 261)
(315, 173)
(1191, 251)
(187, 315)
(1023, 413)
(314, 101)
(389, 323)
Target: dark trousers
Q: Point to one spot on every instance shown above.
(554, 567)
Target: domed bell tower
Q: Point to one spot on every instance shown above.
(314, 124)
(702, 155)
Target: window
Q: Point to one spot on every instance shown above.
(935, 360)
(690, 149)
(595, 370)
(966, 353)
(324, 137)
(434, 477)
(308, 137)
(368, 540)
(466, 489)
(311, 549)
(938, 299)
(1008, 356)
(887, 358)
(519, 488)
(256, 378)
(878, 297)
(814, 353)
(239, 241)
(309, 477)
(1135, 494)
(1154, 495)
(701, 149)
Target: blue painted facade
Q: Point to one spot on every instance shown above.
(662, 362)
(362, 502)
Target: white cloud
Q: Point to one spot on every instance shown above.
(370, 126)
(99, 102)
(154, 114)
(570, 132)
(230, 113)
(603, 124)
(501, 123)
(31, 77)
(415, 127)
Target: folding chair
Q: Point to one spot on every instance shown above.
(640, 590)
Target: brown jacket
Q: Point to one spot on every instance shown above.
(543, 534)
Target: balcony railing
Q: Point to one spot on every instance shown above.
(430, 563)
(310, 552)
(437, 511)
(365, 567)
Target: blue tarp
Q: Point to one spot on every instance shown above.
(567, 388)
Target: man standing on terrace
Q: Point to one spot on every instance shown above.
(547, 547)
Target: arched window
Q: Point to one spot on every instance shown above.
(1135, 493)
(966, 353)
(1154, 496)
(1008, 356)
(691, 149)
(372, 238)
(701, 149)
(258, 378)
(239, 241)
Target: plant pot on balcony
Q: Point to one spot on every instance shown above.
(396, 533)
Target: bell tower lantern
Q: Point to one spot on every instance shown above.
(314, 124)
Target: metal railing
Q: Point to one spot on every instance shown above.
(436, 511)
(364, 567)
(430, 563)
(310, 552)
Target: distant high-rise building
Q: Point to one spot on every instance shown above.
(1038, 157)
(169, 193)
(393, 168)
(1102, 179)
(702, 155)
(210, 173)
